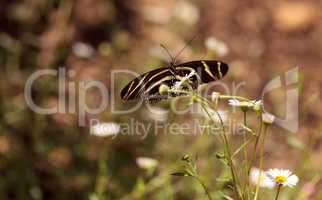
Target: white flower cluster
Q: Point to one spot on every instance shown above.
(105, 129)
(178, 85)
(146, 163)
(186, 12)
(83, 50)
(217, 46)
(256, 105)
(183, 80)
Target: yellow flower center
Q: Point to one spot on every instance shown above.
(280, 179)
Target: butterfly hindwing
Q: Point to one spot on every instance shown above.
(207, 70)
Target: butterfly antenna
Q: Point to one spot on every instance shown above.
(168, 52)
(185, 46)
(172, 62)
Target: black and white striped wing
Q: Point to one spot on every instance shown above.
(147, 85)
(207, 70)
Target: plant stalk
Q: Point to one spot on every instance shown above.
(278, 191)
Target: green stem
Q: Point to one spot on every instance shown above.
(245, 138)
(101, 179)
(204, 187)
(204, 102)
(242, 147)
(224, 97)
(233, 97)
(258, 136)
(261, 161)
(278, 191)
(246, 156)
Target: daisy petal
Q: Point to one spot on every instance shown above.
(292, 181)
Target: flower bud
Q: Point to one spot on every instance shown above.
(257, 105)
(268, 118)
(164, 89)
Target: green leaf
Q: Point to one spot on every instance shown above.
(188, 172)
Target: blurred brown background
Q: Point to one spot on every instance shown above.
(51, 157)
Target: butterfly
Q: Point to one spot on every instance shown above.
(147, 86)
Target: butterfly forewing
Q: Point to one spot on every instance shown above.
(139, 85)
(147, 85)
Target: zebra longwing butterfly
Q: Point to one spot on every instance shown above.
(147, 85)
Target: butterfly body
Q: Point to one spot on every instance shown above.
(147, 85)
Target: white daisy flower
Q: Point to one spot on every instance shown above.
(268, 118)
(177, 86)
(216, 46)
(83, 50)
(183, 80)
(146, 163)
(259, 177)
(282, 177)
(105, 129)
(186, 12)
